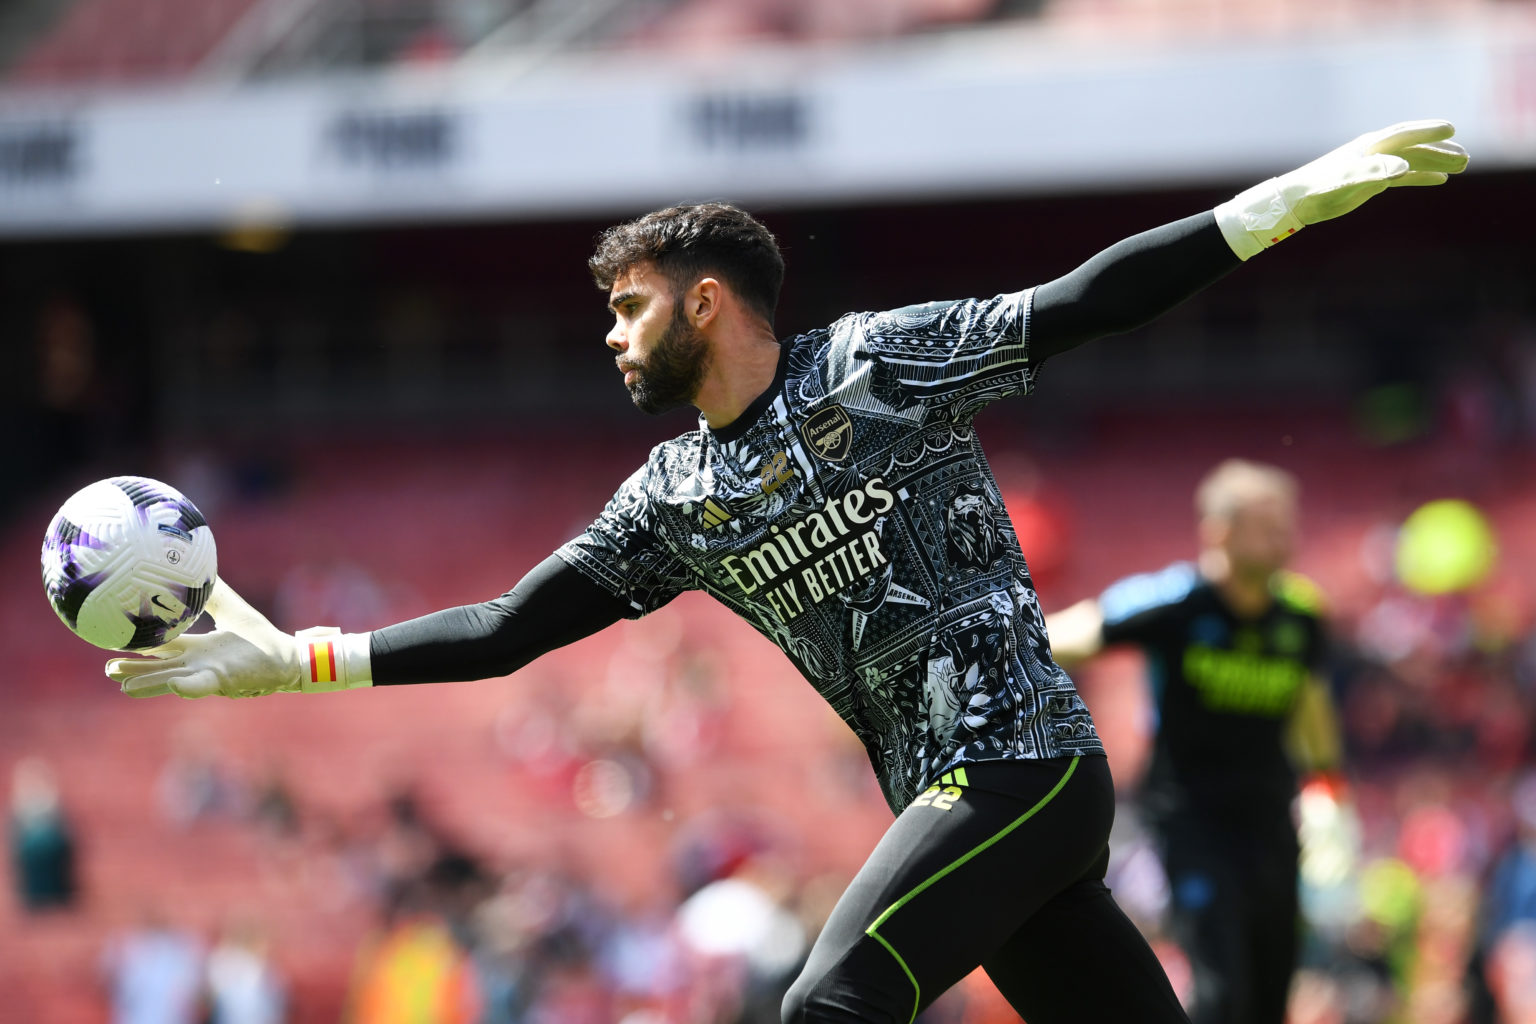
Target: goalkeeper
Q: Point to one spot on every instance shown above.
(1235, 649)
(835, 496)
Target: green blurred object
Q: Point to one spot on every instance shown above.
(1391, 414)
(1390, 894)
(1445, 546)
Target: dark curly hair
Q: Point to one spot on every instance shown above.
(688, 242)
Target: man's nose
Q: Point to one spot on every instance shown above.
(616, 339)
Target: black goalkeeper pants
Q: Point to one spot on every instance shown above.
(1000, 865)
(1233, 909)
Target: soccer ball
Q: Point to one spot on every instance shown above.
(128, 563)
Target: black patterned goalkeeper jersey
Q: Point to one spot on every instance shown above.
(850, 516)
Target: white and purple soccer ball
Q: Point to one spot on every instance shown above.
(128, 563)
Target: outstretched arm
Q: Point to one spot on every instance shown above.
(1144, 276)
(1076, 633)
(247, 656)
(1131, 283)
(552, 606)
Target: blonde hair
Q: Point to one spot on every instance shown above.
(1236, 482)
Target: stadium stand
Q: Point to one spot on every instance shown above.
(771, 746)
(714, 23)
(127, 40)
(1274, 19)
(78, 42)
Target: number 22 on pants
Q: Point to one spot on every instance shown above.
(940, 796)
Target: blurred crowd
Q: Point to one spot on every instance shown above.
(1437, 695)
(1428, 914)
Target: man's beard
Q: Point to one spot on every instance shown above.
(671, 375)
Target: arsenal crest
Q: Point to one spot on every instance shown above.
(829, 433)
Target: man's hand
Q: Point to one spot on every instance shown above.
(1076, 633)
(1409, 153)
(246, 656)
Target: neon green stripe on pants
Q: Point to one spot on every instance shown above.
(873, 930)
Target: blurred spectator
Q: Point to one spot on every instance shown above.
(1512, 975)
(408, 846)
(643, 956)
(713, 845)
(42, 840)
(414, 971)
(154, 973)
(572, 991)
(1501, 978)
(500, 959)
(274, 808)
(243, 985)
(196, 782)
(1511, 893)
(743, 928)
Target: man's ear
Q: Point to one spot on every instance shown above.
(703, 302)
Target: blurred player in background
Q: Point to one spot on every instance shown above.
(835, 495)
(1235, 650)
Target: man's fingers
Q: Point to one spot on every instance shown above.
(119, 669)
(1395, 138)
(146, 685)
(157, 690)
(1444, 157)
(1385, 167)
(1421, 178)
(1426, 145)
(198, 683)
(145, 678)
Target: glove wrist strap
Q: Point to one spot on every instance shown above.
(332, 660)
(1257, 218)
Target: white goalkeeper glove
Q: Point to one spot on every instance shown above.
(246, 656)
(1329, 830)
(1409, 153)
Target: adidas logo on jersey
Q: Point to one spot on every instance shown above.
(715, 514)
